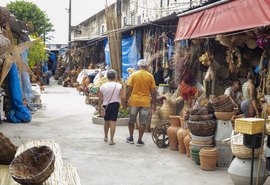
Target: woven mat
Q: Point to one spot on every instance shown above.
(62, 175)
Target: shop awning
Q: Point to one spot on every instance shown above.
(232, 16)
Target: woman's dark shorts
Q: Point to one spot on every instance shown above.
(111, 111)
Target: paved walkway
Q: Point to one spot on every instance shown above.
(66, 119)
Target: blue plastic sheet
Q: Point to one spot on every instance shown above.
(26, 84)
(18, 112)
(130, 53)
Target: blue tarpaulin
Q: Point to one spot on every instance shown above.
(18, 112)
(130, 53)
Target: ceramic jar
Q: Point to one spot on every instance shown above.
(172, 132)
(208, 158)
(181, 134)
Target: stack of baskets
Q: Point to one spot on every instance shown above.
(7, 150)
(224, 107)
(202, 127)
(201, 123)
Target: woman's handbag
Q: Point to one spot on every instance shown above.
(102, 111)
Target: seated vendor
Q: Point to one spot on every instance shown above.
(235, 92)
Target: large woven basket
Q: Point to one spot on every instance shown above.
(7, 150)
(241, 151)
(202, 128)
(220, 100)
(201, 117)
(34, 166)
(198, 111)
(228, 107)
(4, 16)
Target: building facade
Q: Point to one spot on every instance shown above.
(133, 13)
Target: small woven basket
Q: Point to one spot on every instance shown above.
(241, 151)
(220, 100)
(34, 166)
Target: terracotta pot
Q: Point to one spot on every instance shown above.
(172, 134)
(186, 142)
(208, 158)
(181, 134)
(175, 121)
(165, 111)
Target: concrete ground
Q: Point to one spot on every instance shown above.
(68, 120)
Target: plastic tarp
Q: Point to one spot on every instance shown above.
(232, 16)
(18, 112)
(130, 53)
(26, 84)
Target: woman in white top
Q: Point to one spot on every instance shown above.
(110, 96)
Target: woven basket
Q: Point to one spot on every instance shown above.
(249, 125)
(220, 100)
(198, 112)
(228, 107)
(7, 150)
(225, 116)
(241, 151)
(202, 128)
(201, 117)
(33, 166)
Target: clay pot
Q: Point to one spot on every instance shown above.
(181, 134)
(175, 121)
(172, 134)
(165, 111)
(186, 142)
(208, 158)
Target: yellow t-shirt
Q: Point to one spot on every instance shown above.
(141, 83)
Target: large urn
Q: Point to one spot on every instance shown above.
(172, 131)
(240, 169)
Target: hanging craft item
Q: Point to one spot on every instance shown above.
(209, 74)
(4, 16)
(234, 59)
(206, 59)
(187, 91)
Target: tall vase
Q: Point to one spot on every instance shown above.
(172, 132)
(165, 110)
(181, 134)
(187, 106)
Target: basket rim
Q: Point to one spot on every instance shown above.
(31, 177)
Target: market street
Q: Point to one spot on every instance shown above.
(67, 119)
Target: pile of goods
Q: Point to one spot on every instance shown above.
(224, 107)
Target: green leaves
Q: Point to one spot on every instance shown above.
(30, 12)
(37, 53)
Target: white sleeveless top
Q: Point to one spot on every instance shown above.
(107, 90)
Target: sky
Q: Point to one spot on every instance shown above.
(58, 14)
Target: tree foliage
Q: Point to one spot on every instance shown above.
(31, 13)
(37, 53)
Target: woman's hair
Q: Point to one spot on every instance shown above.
(111, 74)
(250, 75)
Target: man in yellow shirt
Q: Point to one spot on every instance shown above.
(141, 96)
